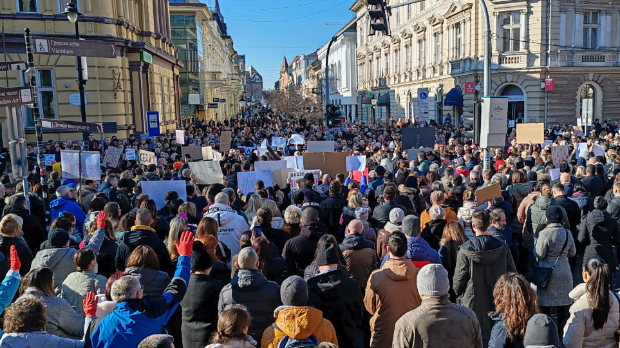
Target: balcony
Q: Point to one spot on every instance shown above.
(512, 60)
(462, 65)
(213, 79)
(585, 58)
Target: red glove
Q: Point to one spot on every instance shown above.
(15, 263)
(101, 220)
(185, 243)
(90, 304)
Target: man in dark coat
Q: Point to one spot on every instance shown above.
(381, 215)
(333, 207)
(109, 187)
(250, 288)
(336, 295)
(123, 195)
(571, 207)
(592, 182)
(480, 262)
(274, 235)
(199, 201)
(299, 251)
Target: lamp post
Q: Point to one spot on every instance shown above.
(72, 14)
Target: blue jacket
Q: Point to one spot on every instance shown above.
(136, 319)
(418, 250)
(109, 190)
(61, 204)
(363, 184)
(8, 289)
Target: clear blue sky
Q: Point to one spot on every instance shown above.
(265, 31)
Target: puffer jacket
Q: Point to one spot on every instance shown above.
(153, 280)
(60, 260)
(585, 202)
(464, 215)
(62, 319)
(419, 252)
(579, 330)
(599, 231)
(360, 258)
(78, 284)
(425, 193)
(39, 339)
(62, 204)
(298, 323)
(261, 297)
(613, 208)
(230, 225)
(519, 192)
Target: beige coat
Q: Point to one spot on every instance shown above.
(391, 292)
(579, 330)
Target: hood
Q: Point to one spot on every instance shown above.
(148, 275)
(104, 187)
(407, 190)
(522, 189)
(418, 249)
(580, 198)
(355, 242)
(248, 279)
(60, 202)
(492, 231)
(578, 291)
(299, 322)
(483, 249)
(314, 230)
(596, 216)
(222, 213)
(51, 257)
(469, 205)
(543, 202)
(34, 339)
(399, 270)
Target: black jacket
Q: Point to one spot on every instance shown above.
(322, 214)
(299, 251)
(333, 207)
(572, 211)
(613, 208)
(34, 232)
(599, 232)
(106, 257)
(23, 252)
(381, 215)
(200, 202)
(132, 239)
(275, 236)
(339, 298)
(200, 310)
(594, 185)
(433, 231)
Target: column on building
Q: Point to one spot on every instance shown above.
(578, 27)
(525, 45)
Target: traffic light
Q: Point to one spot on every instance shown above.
(378, 17)
(471, 120)
(334, 116)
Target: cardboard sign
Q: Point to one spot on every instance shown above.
(294, 176)
(90, 165)
(157, 190)
(280, 176)
(147, 157)
(225, 141)
(180, 136)
(207, 153)
(50, 160)
(488, 193)
(270, 165)
(356, 163)
(559, 154)
(278, 142)
(246, 180)
(112, 155)
(195, 152)
(297, 139)
(295, 163)
(130, 154)
(206, 172)
(413, 153)
(320, 146)
(330, 163)
(530, 132)
(416, 137)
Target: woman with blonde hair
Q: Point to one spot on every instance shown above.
(356, 200)
(11, 234)
(177, 226)
(292, 221)
(254, 203)
(277, 221)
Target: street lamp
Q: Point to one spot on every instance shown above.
(72, 13)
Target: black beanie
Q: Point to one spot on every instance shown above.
(411, 181)
(200, 258)
(327, 255)
(554, 214)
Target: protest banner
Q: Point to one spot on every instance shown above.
(246, 180)
(278, 142)
(225, 141)
(295, 163)
(112, 155)
(320, 146)
(582, 150)
(206, 172)
(554, 173)
(356, 163)
(180, 136)
(559, 154)
(270, 165)
(89, 162)
(294, 176)
(530, 132)
(195, 152)
(416, 137)
(50, 160)
(147, 157)
(297, 139)
(280, 176)
(157, 190)
(488, 193)
(130, 154)
(207, 153)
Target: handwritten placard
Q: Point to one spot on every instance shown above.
(180, 136)
(147, 157)
(112, 155)
(294, 176)
(270, 165)
(295, 163)
(157, 190)
(246, 180)
(530, 132)
(130, 154)
(207, 172)
(278, 142)
(50, 160)
(356, 163)
(297, 139)
(559, 154)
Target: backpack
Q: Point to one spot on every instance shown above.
(309, 342)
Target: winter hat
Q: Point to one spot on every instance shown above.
(58, 238)
(411, 181)
(361, 214)
(309, 176)
(433, 280)
(554, 214)
(200, 259)
(436, 212)
(411, 226)
(396, 218)
(380, 170)
(123, 183)
(437, 196)
(541, 331)
(294, 291)
(326, 254)
(400, 179)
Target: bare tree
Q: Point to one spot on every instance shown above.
(291, 104)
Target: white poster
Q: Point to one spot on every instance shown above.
(297, 139)
(295, 163)
(247, 180)
(278, 142)
(180, 135)
(356, 163)
(147, 157)
(50, 160)
(130, 154)
(70, 165)
(207, 172)
(157, 190)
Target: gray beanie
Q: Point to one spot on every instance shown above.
(294, 291)
(541, 331)
(411, 226)
(361, 213)
(436, 212)
(433, 280)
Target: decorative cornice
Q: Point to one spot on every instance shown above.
(435, 19)
(419, 27)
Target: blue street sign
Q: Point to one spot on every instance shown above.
(152, 118)
(222, 100)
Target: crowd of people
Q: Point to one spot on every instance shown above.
(408, 256)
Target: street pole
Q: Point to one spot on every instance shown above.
(487, 67)
(329, 47)
(81, 88)
(36, 114)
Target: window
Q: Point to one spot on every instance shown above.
(590, 29)
(458, 40)
(437, 53)
(370, 70)
(511, 31)
(396, 22)
(162, 115)
(386, 65)
(421, 53)
(47, 97)
(422, 5)
(407, 57)
(62, 4)
(169, 99)
(396, 61)
(409, 11)
(28, 6)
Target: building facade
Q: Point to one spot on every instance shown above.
(439, 46)
(253, 85)
(143, 76)
(295, 73)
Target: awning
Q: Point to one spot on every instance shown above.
(384, 100)
(366, 100)
(454, 97)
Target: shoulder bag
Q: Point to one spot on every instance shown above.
(542, 275)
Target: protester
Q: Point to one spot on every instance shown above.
(299, 251)
(451, 241)
(144, 264)
(78, 284)
(231, 225)
(598, 231)
(66, 202)
(359, 254)
(232, 327)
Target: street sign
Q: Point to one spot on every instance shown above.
(549, 85)
(71, 125)
(469, 87)
(152, 118)
(222, 100)
(146, 57)
(193, 99)
(423, 104)
(73, 47)
(7, 66)
(15, 96)
(212, 106)
(216, 100)
(74, 99)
